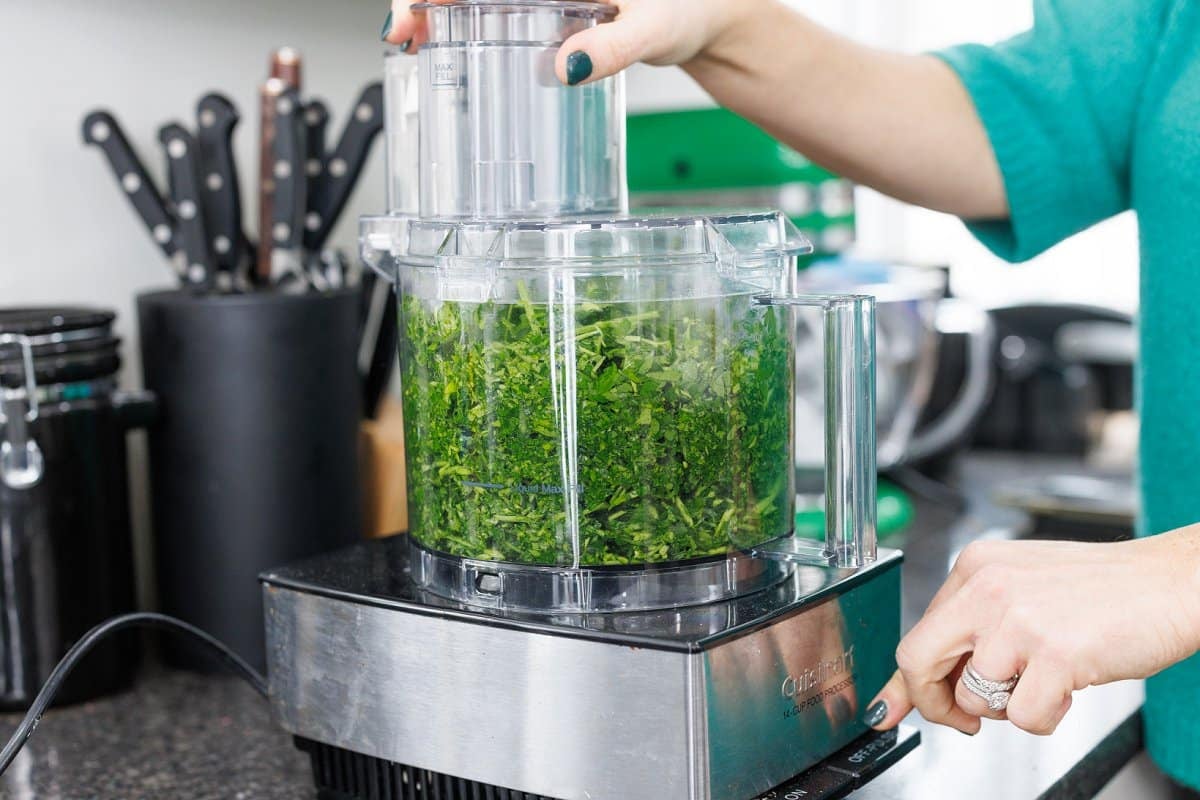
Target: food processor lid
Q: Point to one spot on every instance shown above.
(741, 240)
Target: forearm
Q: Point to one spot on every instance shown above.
(1177, 558)
(901, 124)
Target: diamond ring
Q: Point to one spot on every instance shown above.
(995, 693)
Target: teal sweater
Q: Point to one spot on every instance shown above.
(1093, 112)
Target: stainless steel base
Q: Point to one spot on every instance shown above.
(716, 702)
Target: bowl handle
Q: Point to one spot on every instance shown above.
(850, 455)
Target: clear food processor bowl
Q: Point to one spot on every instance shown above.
(599, 414)
(599, 409)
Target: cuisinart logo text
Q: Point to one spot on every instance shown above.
(797, 686)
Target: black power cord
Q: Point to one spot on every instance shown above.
(93, 637)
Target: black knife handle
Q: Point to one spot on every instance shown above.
(216, 118)
(346, 163)
(101, 129)
(316, 123)
(183, 171)
(288, 170)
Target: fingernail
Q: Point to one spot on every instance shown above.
(579, 67)
(967, 733)
(407, 44)
(876, 714)
(387, 27)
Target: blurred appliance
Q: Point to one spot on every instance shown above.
(1093, 508)
(1059, 369)
(712, 158)
(914, 320)
(1062, 372)
(66, 550)
(914, 323)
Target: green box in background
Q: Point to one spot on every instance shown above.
(712, 158)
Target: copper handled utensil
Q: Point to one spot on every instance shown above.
(268, 95)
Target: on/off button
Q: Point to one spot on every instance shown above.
(821, 783)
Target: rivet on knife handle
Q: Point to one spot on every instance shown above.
(316, 121)
(288, 204)
(216, 118)
(183, 172)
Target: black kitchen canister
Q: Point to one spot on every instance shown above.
(66, 548)
(254, 456)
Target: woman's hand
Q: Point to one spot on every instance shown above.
(656, 32)
(1063, 616)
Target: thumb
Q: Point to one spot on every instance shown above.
(601, 51)
(890, 706)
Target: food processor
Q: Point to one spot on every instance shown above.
(601, 595)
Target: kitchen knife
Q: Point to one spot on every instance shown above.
(285, 71)
(221, 201)
(316, 120)
(101, 129)
(288, 204)
(268, 95)
(288, 66)
(183, 171)
(334, 267)
(345, 165)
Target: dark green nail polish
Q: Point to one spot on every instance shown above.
(387, 27)
(876, 714)
(579, 67)
(407, 44)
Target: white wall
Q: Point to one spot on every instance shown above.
(1097, 267)
(68, 233)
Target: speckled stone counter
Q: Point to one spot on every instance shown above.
(178, 735)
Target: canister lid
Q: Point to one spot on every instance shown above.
(40, 321)
(69, 344)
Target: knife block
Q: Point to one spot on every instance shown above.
(384, 478)
(254, 461)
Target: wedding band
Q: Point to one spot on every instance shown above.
(995, 693)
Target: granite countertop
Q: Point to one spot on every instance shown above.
(180, 735)
(175, 735)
